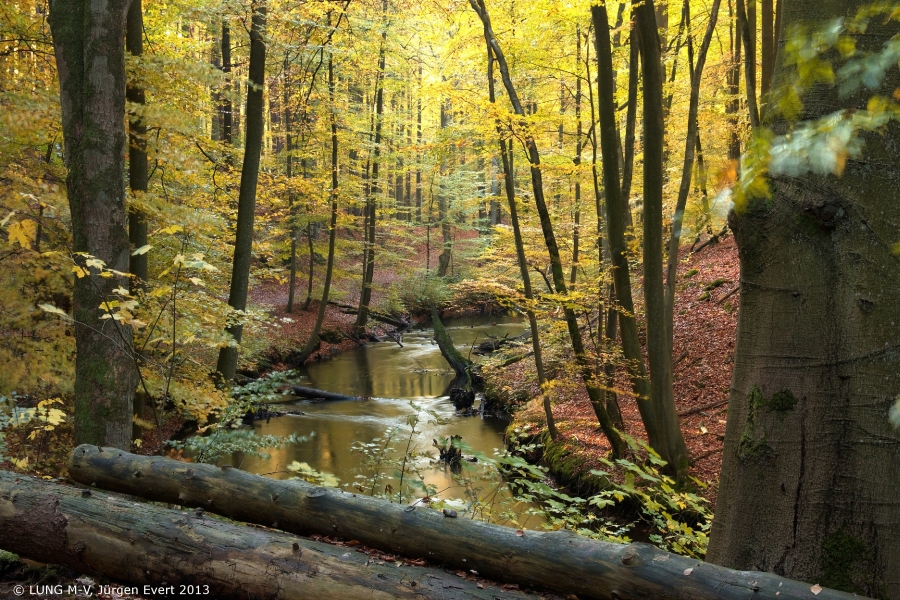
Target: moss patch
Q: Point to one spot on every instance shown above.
(848, 564)
(752, 446)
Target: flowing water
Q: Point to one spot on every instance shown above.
(391, 378)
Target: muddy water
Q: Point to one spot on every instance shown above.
(391, 377)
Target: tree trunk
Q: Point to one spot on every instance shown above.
(145, 545)
(616, 208)
(767, 14)
(243, 244)
(137, 147)
(687, 170)
(365, 296)
(313, 340)
(90, 58)
(659, 347)
(226, 108)
(459, 363)
(510, 189)
(809, 482)
(559, 280)
(556, 560)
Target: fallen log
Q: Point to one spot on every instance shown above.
(560, 561)
(314, 394)
(494, 344)
(377, 316)
(168, 550)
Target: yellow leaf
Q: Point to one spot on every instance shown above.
(142, 250)
(79, 272)
(21, 463)
(22, 233)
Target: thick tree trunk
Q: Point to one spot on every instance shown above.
(90, 58)
(243, 244)
(560, 561)
(108, 535)
(810, 482)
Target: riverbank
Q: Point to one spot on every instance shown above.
(706, 306)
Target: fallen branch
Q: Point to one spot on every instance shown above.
(141, 544)
(559, 560)
(494, 344)
(314, 394)
(711, 241)
(696, 409)
(378, 316)
(514, 359)
(729, 294)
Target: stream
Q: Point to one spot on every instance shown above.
(392, 378)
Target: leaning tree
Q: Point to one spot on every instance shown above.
(810, 483)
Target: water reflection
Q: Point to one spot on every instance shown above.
(390, 377)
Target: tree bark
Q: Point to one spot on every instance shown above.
(809, 486)
(243, 244)
(559, 560)
(313, 340)
(659, 348)
(90, 56)
(365, 296)
(510, 189)
(616, 208)
(690, 146)
(559, 280)
(459, 363)
(137, 147)
(107, 535)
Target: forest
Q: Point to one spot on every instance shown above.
(466, 299)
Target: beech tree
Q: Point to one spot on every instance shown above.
(809, 482)
(89, 44)
(243, 245)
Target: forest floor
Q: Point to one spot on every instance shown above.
(704, 335)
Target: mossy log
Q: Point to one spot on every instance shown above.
(559, 561)
(140, 544)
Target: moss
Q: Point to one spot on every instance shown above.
(848, 565)
(717, 283)
(691, 273)
(751, 446)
